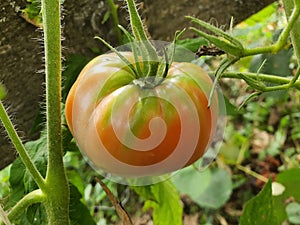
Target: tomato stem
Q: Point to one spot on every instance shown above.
(235, 50)
(119, 54)
(263, 78)
(15, 139)
(57, 189)
(292, 9)
(135, 52)
(114, 12)
(147, 50)
(147, 63)
(293, 22)
(36, 196)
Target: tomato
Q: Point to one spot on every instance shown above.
(130, 128)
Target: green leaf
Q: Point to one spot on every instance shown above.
(32, 13)
(4, 184)
(290, 179)
(293, 212)
(76, 180)
(20, 180)
(79, 213)
(231, 110)
(254, 83)
(69, 145)
(17, 172)
(105, 17)
(192, 182)
(35, 215)
(3, 92)
(230, 150)
(261, 16)
(210, 188)
(277, 64)
(73, 65)
(38, 153)
(164, 199)
(280, 137)
(185, 49)
(192, 44)
(260, 209)
(22, 183)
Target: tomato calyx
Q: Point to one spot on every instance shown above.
(148, 82)
(147, 62)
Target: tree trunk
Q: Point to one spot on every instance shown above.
(165, 17)
(21, 52)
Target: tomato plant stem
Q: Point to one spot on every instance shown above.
(15, 139)
(235, 50)
(264, 77)
(292, 7)
(31, 198)
(57, 189)
(114, 13)
(148, 52)
(293, 17)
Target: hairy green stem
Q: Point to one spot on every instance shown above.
(57, 189)
(292, 7)
(264, 77)
(31, 198)
(15, 139)
(113, 9)
(148, 52)
(293, 12)
(223, 66)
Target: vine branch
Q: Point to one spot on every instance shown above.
(31, 198)
(57, 190)
(15, 139)
(266, 78)
(292, 7)
(235, 51)
(282, 40)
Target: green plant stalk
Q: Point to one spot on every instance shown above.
(57, 190)
(3, 217)
(31, 198)
(15, 139)
(3, 92)
(252, 173)
(293, 12)
(293, 7)
(265, 78)
(113, 9)
(236, 51)
(148, 52)
(226, 63)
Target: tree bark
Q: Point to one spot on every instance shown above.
(165, 17)
(21, 52)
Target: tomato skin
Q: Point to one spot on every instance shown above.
(131, 131)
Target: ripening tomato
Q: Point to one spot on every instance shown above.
(134, 127)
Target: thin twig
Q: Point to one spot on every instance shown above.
(16, 140)
(119, 208)
(252, 173)
(4, 217)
